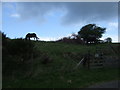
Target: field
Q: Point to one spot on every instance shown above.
(53, 67)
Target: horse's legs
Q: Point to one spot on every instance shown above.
(36, 38)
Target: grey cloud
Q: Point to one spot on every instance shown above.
(90, 11)
(75, 11)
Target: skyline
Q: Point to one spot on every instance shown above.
(52, 21)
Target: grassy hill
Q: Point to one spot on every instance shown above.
(53, 67)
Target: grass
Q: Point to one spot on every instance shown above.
(79, 79)
(59, 73)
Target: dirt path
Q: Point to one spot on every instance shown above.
(111, 84)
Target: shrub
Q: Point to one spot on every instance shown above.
(20, 46)
(16, 53)
(46, 59)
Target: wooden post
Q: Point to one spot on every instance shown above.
(88, 60)
(85, 60)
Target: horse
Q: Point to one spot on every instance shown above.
(31, 35)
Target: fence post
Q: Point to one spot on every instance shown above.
(88, 59)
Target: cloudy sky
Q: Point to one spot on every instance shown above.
(54, 20)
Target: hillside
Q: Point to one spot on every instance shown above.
(53, 67)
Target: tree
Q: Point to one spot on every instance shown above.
(108, 40)
(91, 33)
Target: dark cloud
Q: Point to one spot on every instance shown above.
(90, 12)
(75, 12)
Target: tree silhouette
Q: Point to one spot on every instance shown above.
(91, 33)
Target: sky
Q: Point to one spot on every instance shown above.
(55, 20)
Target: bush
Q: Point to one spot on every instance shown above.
(46, 59)
(16, 53)
(20, 46)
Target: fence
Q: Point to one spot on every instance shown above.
(92, 61)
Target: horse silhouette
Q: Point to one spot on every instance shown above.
(31, 35)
